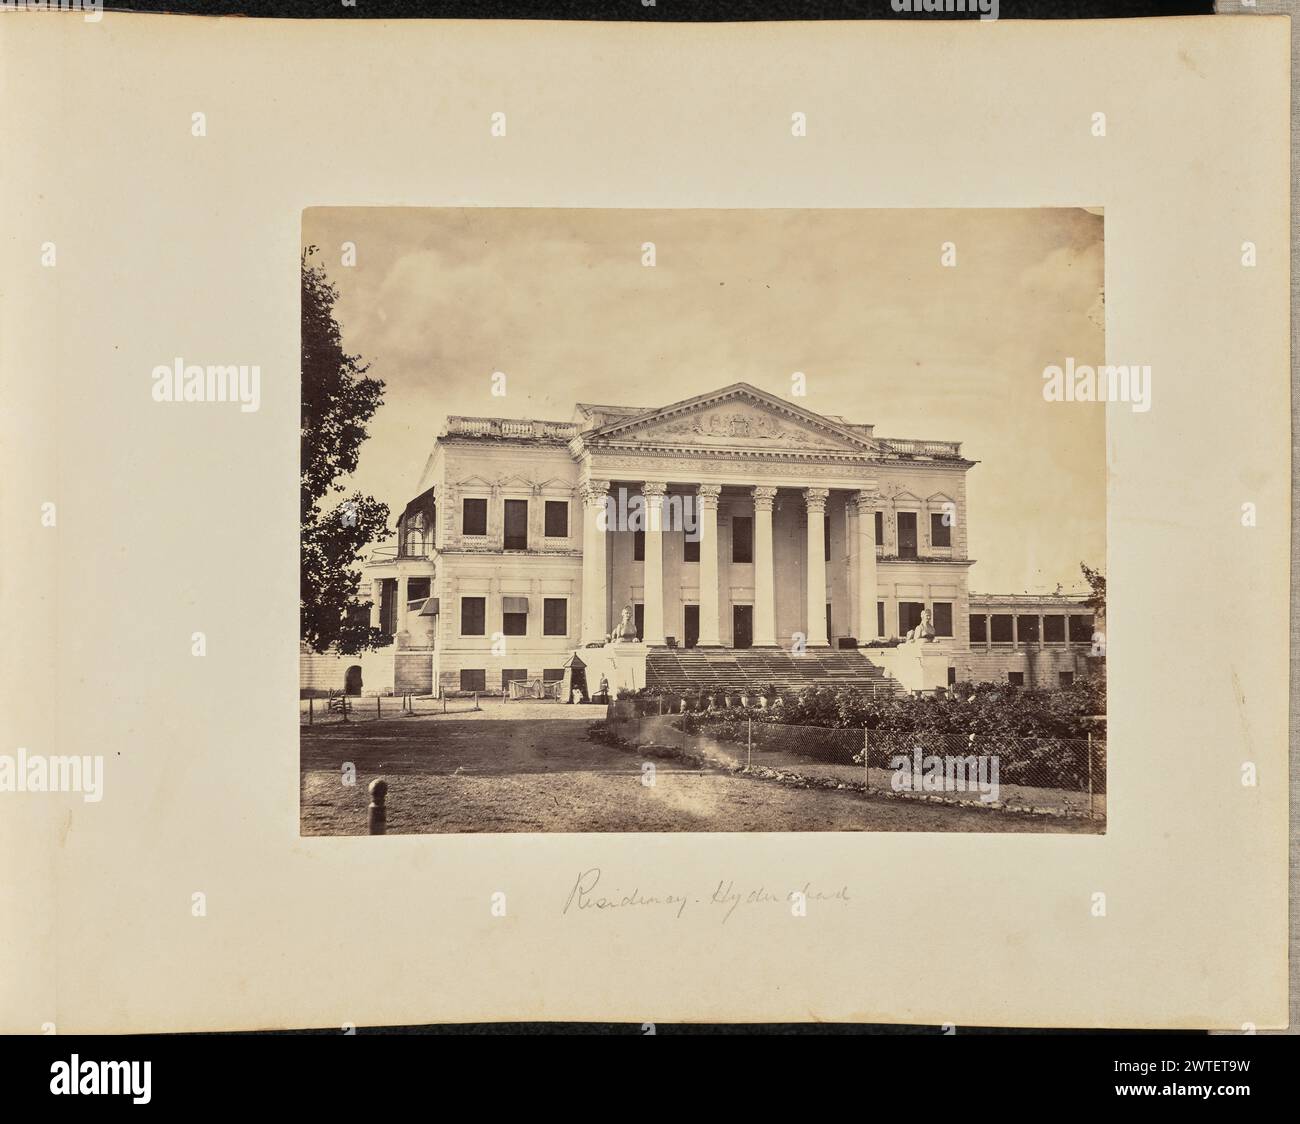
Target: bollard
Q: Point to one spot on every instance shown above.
(377, 813)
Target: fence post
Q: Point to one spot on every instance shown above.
(310, 710)
(476, 700)
(749, 742)
(377, 713)
(866, 756)
(377, 813)
(1090, 807)
(344, 707)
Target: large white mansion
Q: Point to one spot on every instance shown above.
(767, 526)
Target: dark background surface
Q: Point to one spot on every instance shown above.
(671, 11)
(664, 11)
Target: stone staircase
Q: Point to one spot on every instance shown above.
(691, 670)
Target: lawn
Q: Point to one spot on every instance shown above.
(527, 766)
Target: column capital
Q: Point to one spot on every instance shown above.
(654, 488)
(593, 492)
(763, 498)
(867, 499)
(815, 498)
(709, 494)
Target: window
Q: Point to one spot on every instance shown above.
(555, 616)
(473, 517)
(638, 619)
(979, 629)
(508, 674)
(557, 519)
(473, 616)
(1027, 630)
(880, 619)
(413, 543)
(473, 679)
(742, 539)
(1000, 626)
(880, 527)
(552, 674)
(1080, 630)
(907, 534)
(1067, 678)
(690, 549)
(909, 616)
(1054, 629)
(1016, 678)
(514, 615)
(940, 532)
(941, 611)
(516, 536)
(417, 589)
(638, 546)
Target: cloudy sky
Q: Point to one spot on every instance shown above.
(439, 299)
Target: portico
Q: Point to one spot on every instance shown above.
(688, 565)
(791, 520)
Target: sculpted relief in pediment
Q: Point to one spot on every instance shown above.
(730, 426)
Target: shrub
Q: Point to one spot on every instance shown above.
(983, 709)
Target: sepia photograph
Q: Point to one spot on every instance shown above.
(704, 520)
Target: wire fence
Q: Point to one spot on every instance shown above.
(1064, 776)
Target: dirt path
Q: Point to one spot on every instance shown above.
(489, 773)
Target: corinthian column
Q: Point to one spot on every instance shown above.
(654, 562)
(595, 622)
(764, 581)
(865, 547)
(815, 499)
(710, 636)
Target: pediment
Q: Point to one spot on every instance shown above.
(740, 417)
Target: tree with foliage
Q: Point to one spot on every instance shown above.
(1097, 585)
(338, 400)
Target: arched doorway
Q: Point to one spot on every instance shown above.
(352, 680)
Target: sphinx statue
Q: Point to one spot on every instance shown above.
(625, 631)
